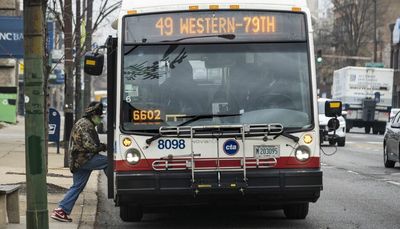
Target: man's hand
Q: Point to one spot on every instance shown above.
(103, 147)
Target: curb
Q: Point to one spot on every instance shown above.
(87, 218)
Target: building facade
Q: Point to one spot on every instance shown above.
(384, 33)
(387, 13)
(8, 66)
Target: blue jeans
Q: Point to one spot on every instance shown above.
(80, 178)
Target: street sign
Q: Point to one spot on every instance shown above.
(54, 127)
(12, 37)
(374, 65)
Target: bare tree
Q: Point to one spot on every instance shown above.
(68, 65)
(63, 15)
(354, 27)
(106, 7)
(346, 37)
(323, 41)
(78, 75)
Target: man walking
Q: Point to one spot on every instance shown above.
(84, 148)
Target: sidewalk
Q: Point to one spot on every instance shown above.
(59, 179)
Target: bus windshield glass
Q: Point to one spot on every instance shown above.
(239, 83)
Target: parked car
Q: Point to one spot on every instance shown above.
(102, 128)
(332, 137)
(391, 142)
(392, 113)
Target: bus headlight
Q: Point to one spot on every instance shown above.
(132, 156)
(302, 153)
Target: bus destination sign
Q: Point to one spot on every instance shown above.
(206, 26)
(215, 25)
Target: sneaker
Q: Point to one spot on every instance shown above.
(60, 215)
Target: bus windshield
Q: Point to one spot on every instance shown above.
(165, 85)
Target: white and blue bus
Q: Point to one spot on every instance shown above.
(212, 102)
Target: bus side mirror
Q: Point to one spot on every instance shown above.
(333, 124)
(94, 63)
(333, 108)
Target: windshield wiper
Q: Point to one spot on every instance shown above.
(193, 118)
(228, 36)
(288, 135)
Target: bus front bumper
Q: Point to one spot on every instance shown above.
(263, 186)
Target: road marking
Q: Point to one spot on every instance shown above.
(349, 171)
(393, 182)
(372, 143)
(375, 143)
(357, 136)
(386, 180)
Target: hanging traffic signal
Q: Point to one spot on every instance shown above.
(319, 56)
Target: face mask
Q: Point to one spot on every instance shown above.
(96, 120)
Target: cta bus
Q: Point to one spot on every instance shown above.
(212, 103)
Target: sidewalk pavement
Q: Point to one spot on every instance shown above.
(59, 179)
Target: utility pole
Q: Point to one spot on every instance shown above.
(375, 39)
(78, 84)
(68, 66)
(88, 47)
(35, 131)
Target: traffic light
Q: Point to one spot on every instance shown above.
(319, 56)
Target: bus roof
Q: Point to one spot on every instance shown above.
(164, 4)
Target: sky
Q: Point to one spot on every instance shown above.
(104, 30)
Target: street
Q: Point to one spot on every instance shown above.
(217, 103)
(358, 193)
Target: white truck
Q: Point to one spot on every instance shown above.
(366, 95)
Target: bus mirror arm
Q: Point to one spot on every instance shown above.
(96, 50)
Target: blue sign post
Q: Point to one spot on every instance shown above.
(54, 127)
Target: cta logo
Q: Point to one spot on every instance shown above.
(231, 147)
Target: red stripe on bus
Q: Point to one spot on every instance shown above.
(282, 163)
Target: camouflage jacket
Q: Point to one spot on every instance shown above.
(84, 143)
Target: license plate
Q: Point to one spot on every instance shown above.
(265, 151)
